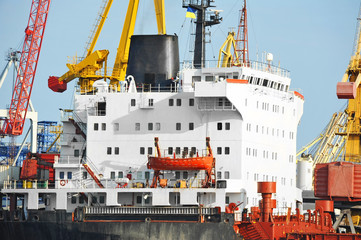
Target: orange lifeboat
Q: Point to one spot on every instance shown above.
(184, 163)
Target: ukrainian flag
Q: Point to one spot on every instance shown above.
(191, 12)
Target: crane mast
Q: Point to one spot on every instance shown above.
(242, 39)
(34, 33)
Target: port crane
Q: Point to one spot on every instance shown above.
(349, 88)
(34, 33)
(94, 65)
(12, 122)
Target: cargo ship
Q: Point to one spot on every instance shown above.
(217, 129)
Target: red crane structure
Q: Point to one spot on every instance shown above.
(242, 39)
(34, 32)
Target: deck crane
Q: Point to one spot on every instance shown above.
(350, 88)
(94, 66)
(239, 44)
(225, 58)
(34, 33)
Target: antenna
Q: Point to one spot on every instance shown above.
(242, 38)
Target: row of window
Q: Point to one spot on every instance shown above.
(178, 102)
(185, 151)
(139, 175)
(266, 178)
(275, 108)
(226, 175)
(171, 102)
(62, 175)
(103, 126)
(254, 152)
(157, 126)
(133, 102)
(227, 126)
(266, 130)
(266, 83)
(81, 199)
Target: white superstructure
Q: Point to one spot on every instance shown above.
(249, 113)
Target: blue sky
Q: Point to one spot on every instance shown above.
(312, 39)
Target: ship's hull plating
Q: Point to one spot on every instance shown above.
(59, 226)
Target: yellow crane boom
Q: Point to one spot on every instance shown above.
(350, 88)
(225, 58)
(88, 70)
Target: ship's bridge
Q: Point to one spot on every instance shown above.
(257, 73)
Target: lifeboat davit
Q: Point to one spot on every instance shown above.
(158, 163)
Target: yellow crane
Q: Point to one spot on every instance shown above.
(350, 88)
(225, 58)
(94, 66)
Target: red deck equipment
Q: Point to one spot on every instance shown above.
(159, 163)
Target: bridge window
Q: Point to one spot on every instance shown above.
(265, 83)
(101, 108)
(109, 150)
(209, 78)
(191, 102)
(171, 102)
(177, 150)
(61, 175)
(76, 152)
(96, 126)
(170, 150)
(132, 102)
(219, 150)
(137, 126)
(142, 150)
(196, 78)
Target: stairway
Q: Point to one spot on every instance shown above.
(79, 125)
(92, 170)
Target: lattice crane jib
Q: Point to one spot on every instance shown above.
(350, 88)
(34, 33)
